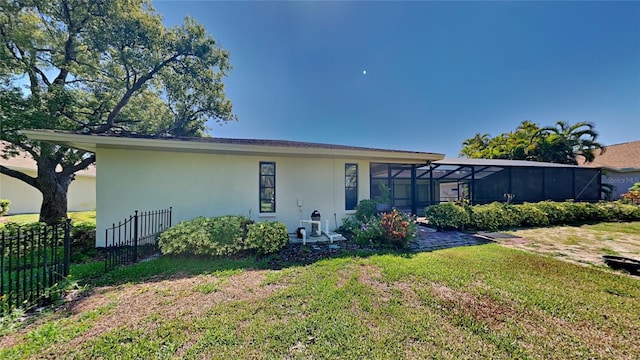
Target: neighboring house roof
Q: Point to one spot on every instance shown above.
(499, 162)
(229, 146)
(623, 157)
(25, 162)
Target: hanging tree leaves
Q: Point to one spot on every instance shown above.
(96, 67)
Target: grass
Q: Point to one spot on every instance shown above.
(76, 217)
(485, 301)
(627, 228)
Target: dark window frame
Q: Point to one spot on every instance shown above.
(262, 186)
(348, 201)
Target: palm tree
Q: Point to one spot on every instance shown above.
(476, 146)
(564, 143)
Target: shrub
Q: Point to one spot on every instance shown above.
(531, 215)
(447, 216)
(554, 211)
(83, 241)
(398, 229)
(388, 230)
(350, 224)
(619, 211)
(632, 197)
(489, 217)
(369, 232)
(4, 206)
(223, 235)
(366, 209)
(497, 216)
(267, 237)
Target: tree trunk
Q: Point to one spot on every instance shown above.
(54, 187)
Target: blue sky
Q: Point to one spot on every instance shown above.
(436, 72)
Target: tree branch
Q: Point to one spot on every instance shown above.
(79, 166)
(19, 175)
(127, 95)
(68, 46)
(25, 147)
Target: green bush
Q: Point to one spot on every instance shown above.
(222, 236)
(447, 216)
(556, 213)
(388, 230)
(366, 209)
(83, 241)
(493, 216)
(350, 224)
(619, 211)
(497, 216)
(267, 237)
(398, 229)
(369, 232)
(4, 206)
(531, 215)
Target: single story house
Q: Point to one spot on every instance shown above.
(26, 199)
(267, 179)
(287, 180)
(620, 165)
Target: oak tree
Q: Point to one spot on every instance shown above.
(100, 67)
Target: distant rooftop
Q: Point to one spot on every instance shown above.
(621, 157)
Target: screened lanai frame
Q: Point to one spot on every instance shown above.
(482, 181)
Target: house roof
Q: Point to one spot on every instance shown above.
(229, 146)
(623, 157)
(25, 162)
(499, 163)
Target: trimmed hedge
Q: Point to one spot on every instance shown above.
(267, 237)
(495, 216)
(447, 216)
(222, 236)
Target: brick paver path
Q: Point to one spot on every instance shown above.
(429, 240)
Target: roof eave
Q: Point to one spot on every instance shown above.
(94, 143)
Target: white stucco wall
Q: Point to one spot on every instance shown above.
(197, 184)
(26, 199)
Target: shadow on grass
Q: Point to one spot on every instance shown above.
(177, 267)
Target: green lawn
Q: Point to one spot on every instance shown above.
(485, 301)
(80, 216)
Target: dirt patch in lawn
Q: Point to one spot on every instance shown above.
(133, 304)
(575, 244)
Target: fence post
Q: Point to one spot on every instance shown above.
(67, 246)
(170, 211)
(135, 237)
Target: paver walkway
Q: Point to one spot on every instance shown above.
(428, 240)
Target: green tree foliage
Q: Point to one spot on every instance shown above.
(563, 143)
(100, 67)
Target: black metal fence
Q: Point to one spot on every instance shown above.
(135, 238)
(33, 260)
